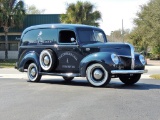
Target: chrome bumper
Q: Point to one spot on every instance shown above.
(128, 71)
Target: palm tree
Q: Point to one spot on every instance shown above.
(81, 13)
(12, 13)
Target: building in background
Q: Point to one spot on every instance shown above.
(15, 33)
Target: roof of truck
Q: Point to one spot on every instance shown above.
(62, 26)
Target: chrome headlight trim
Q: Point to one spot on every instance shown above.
(115, 58)
(142, 59)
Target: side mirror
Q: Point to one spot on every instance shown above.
(73, 39)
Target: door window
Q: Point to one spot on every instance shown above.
(67, 36)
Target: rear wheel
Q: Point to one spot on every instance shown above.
(130, 79)
(33, 74)
(97, 75)
(68, 79)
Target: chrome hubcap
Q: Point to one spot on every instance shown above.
(33, 71)
(46, 60)
(97, 74)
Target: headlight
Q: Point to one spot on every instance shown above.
(142, 59)
(115, 58)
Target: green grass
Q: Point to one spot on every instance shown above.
(7, 63)
(156, 76)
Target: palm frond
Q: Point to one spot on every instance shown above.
(81, 13)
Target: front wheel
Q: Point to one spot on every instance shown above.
(33, 74)
(97, 75)
(130, 79)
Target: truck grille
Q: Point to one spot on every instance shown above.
(132, 56)
(126, 62)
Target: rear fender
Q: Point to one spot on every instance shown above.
(30, 56)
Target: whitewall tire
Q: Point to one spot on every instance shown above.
(33, 73)
(47, 60)
(97, 75)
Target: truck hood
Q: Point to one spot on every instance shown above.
(121, 49)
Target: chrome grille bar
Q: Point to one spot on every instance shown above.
(132, 56)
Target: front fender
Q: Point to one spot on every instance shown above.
(138, 64)
(29, 56)
(103, 58)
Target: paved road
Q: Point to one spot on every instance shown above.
(55, 100)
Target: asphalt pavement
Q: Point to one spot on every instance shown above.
(54, 99)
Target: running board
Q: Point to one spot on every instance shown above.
(61, 74)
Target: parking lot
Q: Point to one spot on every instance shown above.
(53, 99)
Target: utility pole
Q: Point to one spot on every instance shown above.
(122, 32)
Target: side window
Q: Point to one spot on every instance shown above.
(13, 46)
(2, 46)
(65, 36)
(99, 36)
(47, 36)
(40, 36)
(29, 37)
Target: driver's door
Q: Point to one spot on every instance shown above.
(68, 51)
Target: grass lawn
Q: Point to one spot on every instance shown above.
(7, 63)
(156, 76)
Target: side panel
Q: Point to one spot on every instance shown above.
(100, 57)
(33, 42)
(69, 59)
(68, 52)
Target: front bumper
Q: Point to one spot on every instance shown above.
(128, 71)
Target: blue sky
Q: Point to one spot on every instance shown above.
(113, 11)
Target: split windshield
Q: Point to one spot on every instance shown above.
(91, 36)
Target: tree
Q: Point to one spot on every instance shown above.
(156, 51)
(12, 13)
(81, 13)
(146, 32)
(33, 10)
(116, 35)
